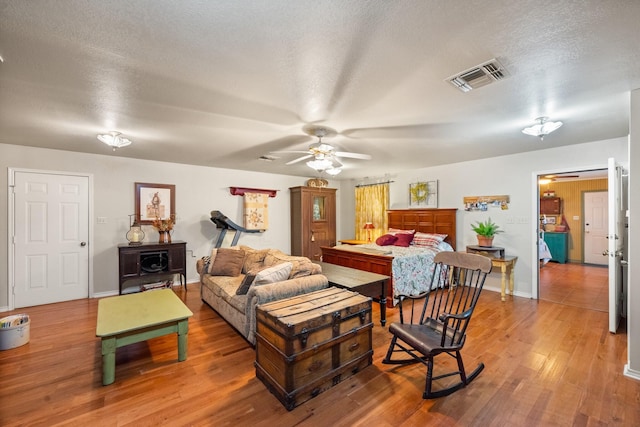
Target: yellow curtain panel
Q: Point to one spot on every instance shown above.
(256, 211)
(372, 202)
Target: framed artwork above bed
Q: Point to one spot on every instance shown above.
(423, 194)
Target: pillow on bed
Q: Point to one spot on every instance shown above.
(386, 240)
(395, 231)
(428, 239)
(403, 240)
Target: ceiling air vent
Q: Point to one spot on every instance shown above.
(478, 76)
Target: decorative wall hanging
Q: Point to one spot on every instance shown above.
(423, 194)
(256, 211)
(483, 203)
(154, 201)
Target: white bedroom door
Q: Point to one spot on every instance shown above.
(596, 227)
(617, 237)
(50, 237)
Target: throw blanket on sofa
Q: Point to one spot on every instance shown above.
(256, 211)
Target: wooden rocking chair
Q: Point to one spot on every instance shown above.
(440, 325)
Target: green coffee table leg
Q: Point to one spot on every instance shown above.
(183, 328)
(108, 360)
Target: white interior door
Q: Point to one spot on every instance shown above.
(596, 227)
(616, 241)
(50, 237)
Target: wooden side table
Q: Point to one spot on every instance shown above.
(506, 265)
(490, 251)
(498, 259)
(353, 242)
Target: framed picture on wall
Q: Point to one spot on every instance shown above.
(423, 194)
(154, 201)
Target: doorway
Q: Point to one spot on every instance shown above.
(565, 278)
(49, 253)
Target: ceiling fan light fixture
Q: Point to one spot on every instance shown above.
(333, 171)
(542, 128)
(114, 139)
(320, 164)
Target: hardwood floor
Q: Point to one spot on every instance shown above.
(546, 364)
(578, 285)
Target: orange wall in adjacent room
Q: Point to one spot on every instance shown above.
(571, 194)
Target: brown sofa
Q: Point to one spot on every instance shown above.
(220, 291)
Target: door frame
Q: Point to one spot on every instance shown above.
(11, 222)
(535, 215)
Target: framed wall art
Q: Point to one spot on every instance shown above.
(423, 194)
(154, 201)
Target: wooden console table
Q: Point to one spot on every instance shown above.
(505, 262)
(150, 261)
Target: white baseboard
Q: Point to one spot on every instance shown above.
(631, 373)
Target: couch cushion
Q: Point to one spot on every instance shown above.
(274, 274)
(253, 258)
(302, 266)
(228, 262)
(248, 280)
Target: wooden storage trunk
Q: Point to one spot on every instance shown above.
(309, 343)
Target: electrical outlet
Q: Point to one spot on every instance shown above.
(102, 220)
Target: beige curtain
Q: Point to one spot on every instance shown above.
(372, 202)
(256, 211)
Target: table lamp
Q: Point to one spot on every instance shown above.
(368, 226)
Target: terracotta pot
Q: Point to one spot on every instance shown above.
(485, 241)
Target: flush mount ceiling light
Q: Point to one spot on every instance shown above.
(114, 139)
(542, 128)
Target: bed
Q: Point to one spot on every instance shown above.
(378, 260)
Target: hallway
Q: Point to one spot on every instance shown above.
(577, 285)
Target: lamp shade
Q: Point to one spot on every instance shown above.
(368, 226)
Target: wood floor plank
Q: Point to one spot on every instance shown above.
(545, 364)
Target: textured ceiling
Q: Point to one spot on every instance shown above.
(220, 83)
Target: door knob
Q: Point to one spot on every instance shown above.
(83, 243)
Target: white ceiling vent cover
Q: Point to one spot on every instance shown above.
(478, 76)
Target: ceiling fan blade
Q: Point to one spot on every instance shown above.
(337, 163)
(353, 155)
(299, 159)
(289, 152)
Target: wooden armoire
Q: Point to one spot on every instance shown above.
(313, 220)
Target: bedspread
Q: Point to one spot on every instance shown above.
(412, 267)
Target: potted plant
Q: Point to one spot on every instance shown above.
(486, 231)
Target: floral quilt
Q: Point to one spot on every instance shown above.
(412, 267)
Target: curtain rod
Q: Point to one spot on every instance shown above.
(376, 183)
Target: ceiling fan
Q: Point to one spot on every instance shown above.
(325, 156)
(553, 178)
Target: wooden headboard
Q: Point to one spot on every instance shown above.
(442, 221)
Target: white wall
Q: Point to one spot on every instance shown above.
(513, 175)
(199, 190)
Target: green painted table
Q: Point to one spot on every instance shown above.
(133, 318)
